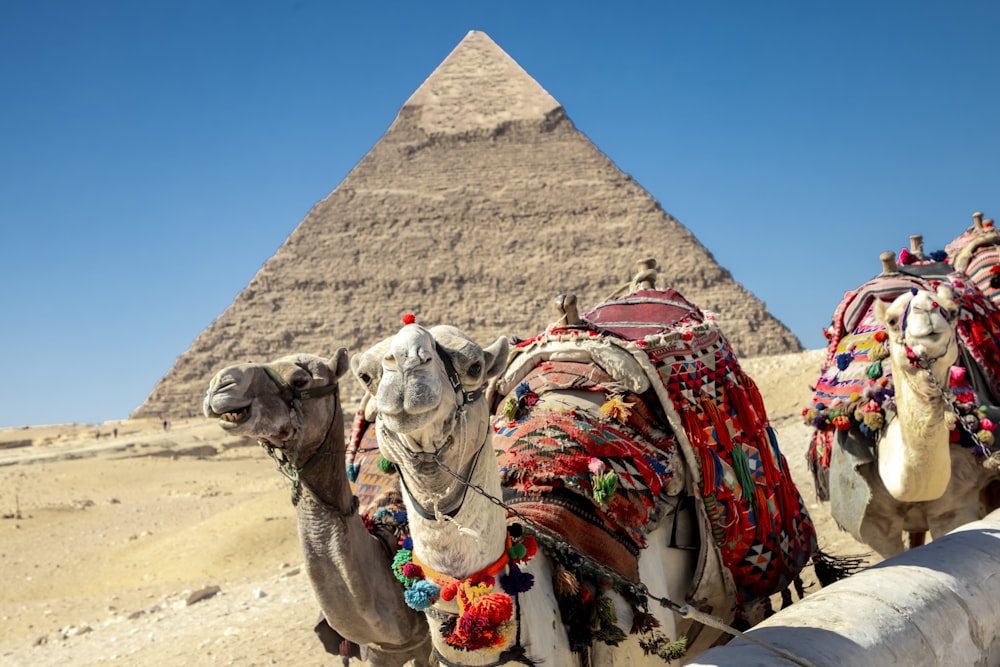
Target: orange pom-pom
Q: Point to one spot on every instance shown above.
(409, 318)
(449, 591)
(880, 336)
(497, 607)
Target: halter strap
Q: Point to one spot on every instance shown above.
(456, 382)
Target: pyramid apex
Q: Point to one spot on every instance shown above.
(477, 86)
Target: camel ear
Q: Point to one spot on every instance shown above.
(880, 308)
(495, 357)
(946, 298)
(339, 363)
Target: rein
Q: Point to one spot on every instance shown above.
(293, 398)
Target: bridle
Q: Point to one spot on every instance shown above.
(293, 398)
(465, 398)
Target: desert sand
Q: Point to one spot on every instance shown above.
(179, 546)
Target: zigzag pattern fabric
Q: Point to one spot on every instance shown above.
(758, 522)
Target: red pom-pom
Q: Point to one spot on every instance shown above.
(413, 571)
(409, 318)
(530, 547)
(449, 591)
(880, 336)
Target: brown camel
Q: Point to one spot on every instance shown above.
(292, 406)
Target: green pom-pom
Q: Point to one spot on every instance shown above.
(510, 409)
(604, 487)
(385, 465)
(517, 551)
(874, 371)
(402, 557)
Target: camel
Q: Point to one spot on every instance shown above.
(292, 406)
(976, 253)
(493, 576)
(906, 458)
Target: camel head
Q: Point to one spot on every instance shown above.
(290, 403)
(425, 382)
(921, 325)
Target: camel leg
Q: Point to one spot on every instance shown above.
(882, 533)
(916, 538)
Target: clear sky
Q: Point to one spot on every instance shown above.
(154, 154)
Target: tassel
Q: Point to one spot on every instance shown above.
(565, 583)
(874, 371)
(385, 465)
(604, 486)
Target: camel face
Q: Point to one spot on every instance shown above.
(421, 380)
(922, 324)
(263, 401)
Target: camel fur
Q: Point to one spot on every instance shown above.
(292, 406)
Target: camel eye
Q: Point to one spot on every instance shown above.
(365, 378)
(300, 382)
(475, 369)
(892, 322)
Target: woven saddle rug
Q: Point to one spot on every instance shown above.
(662, 403)
(855, 384)
(375, 483)
(976, 253)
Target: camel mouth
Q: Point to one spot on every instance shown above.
(233, 418)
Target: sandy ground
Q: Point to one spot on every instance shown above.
(107, 542)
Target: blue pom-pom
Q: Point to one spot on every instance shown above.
(407, 543)
(865, 430)
(399, 517)
(515, 581)
(382, 513)
(913, 291)
(939, 255)
(844, 360)
(522, 389)
(422, 594)
(352, 472)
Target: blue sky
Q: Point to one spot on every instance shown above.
(153, 155)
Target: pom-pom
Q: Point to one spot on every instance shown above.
(939, 256)
(495, 607)
(954, 436)
(407, 543)
(531, 544)
(449, 591)
(957, 376)
(595, 465)
(819, 421)
(510, 408)
(409, 318)
(874, 370)
(618, 409)
(987, 424)
(844, 360)
(880, 336)
(874, 420)
(906, 257)
(604, 487)
(877, 352)
(985, 437)
(421, 595)
(385, 465)
(841, 422)
(516, 551)
(516, 581)
(413, 571)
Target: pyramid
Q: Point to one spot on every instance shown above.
(479, 205)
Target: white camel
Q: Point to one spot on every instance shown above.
(434, 424)
(909, 477)
(292, 406)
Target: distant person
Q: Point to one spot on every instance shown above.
(115, 431)
(166, 425)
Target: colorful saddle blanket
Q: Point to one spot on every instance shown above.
(376, 486)
(855, 383)
(663, 357)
